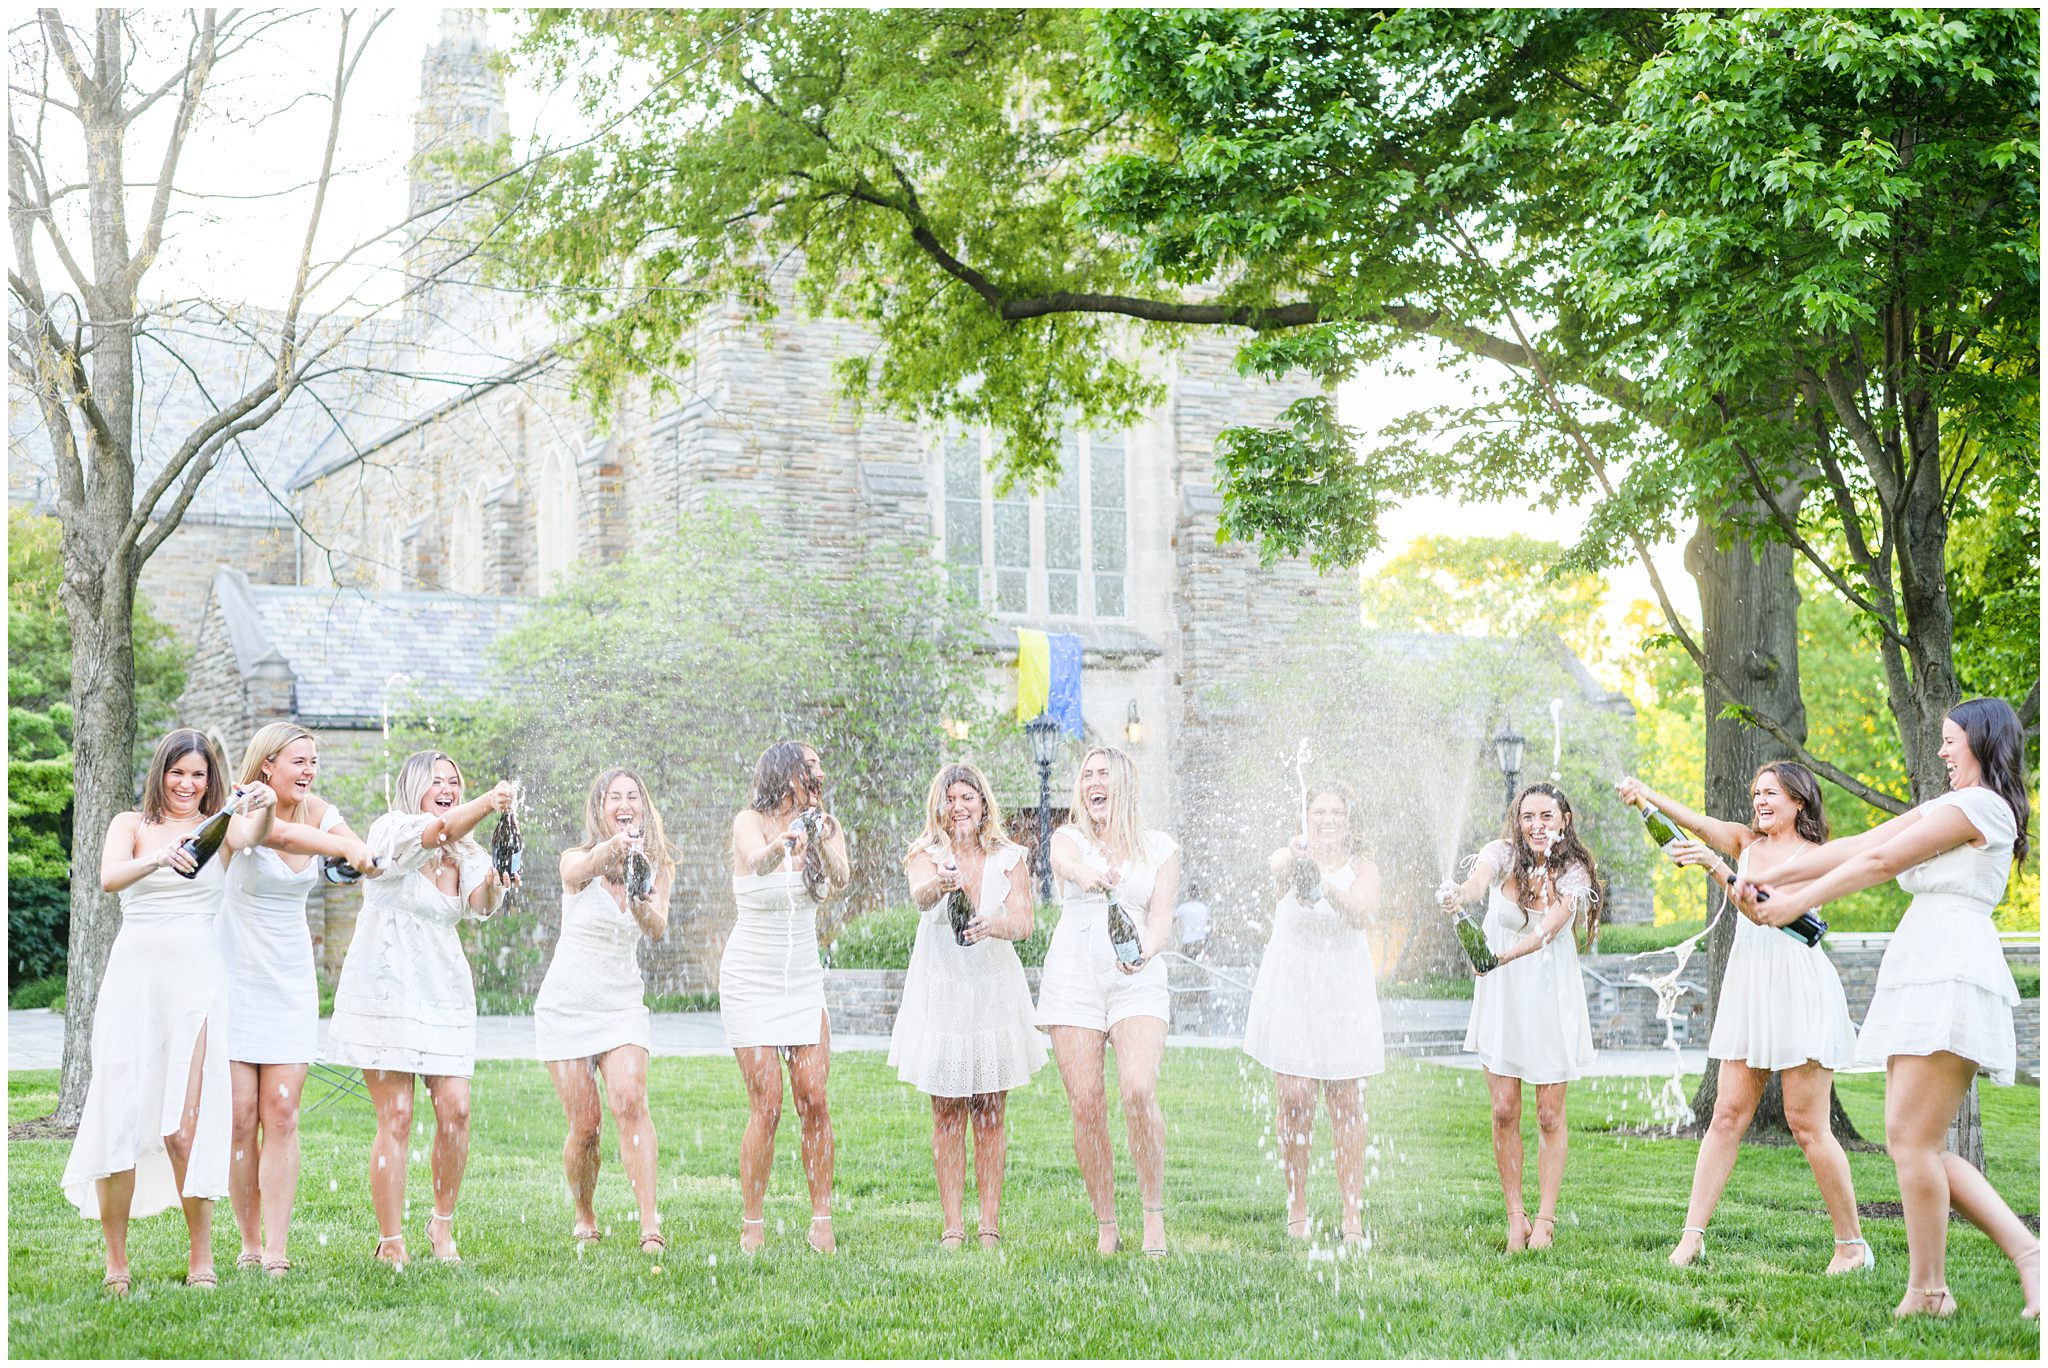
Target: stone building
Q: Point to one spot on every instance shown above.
(464, 478)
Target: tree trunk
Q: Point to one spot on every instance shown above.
(1749, 629)
(1966, 1134)
(103, 785)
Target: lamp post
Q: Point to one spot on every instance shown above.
(1507, 748)
(1045, 748)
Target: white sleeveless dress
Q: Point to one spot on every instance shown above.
(1944, 983)
(1781, 1001)
(164, 984)
(1315, 1010)
(269, 953)
(771, 983)
(964, 1025)
(1529, 1018)
(1081, 984)
(591, 1000)
(406, 1002)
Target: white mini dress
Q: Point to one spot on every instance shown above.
(1081, 984)
(1315, 1010)
(591, 1000)
(1781, 1001)
(1944, 983)
(406, 1002)
(1529, 1018)
(771, 983)
(164, 984)
(269, 953)
(965, 1023)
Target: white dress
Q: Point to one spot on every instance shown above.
(1081, 984)
(771, 983)
(1944, 983)
(406, 1001)
(591, 1000)
(1781, 1001)
(1315, 1010)
(164, 984)
(269, 953)
(964, 1025)
(1529, 1018)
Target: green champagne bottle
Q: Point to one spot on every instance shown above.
(205, 839)
(1123, 932)
(1663, 834)
(639, 874)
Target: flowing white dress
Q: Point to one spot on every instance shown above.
(1944, 983)
(1315, 1010)
(1781, 1001)
(164, 984)
(269, 953)
(1529, 1018)
(591, 999)
(406, 1002)
(1081, 984)
(964, 1025)
(771, 983)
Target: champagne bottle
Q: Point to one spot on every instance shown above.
(1807, 928)
(336, 870)
(205, 838)
(959, 911)
(508, 848)
(1663, 834)
(1123, 932)
(1307, 880)
(639, 873)
(1472, 936)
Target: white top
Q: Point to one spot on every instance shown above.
(1966, 871)
(268, 950)
(1574, 885)
(1140, 870)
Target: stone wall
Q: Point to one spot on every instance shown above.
(178, 578)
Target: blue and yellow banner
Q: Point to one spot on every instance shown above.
(1049, 678)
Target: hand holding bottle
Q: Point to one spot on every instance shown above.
(1699, 855)
(502, 796)
(253, 797)
(363, 859)
(177, 858)
(1632, 791)
(1449, 898)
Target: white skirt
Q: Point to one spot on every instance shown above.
(771, 984)
(965, 1024)
(1943, 985)
(1315, 1010)
(591, 1000)
(1781, 1004)
(164, 984)
(1081, 984)
(1529, 1018)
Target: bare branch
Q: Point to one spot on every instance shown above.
(197, 72)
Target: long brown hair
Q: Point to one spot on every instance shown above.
(780, 774)
(1354, 835)
(1998, 742)
(935, 838)
(1802, 788)
(1567, 853)
(169, 751)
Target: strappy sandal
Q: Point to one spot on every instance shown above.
(1869, 1257)
(987, 1233)
(277, 1267)
(655, 1238)
(1160, 1251)
(378, 1252)
(1098, 1238)
(448, 1217)
(1942, 1297)
(825, 1221)
(1553, 1230)
(745, 1221)
(243, 1261)
(958, 1237)
(1352, 1236)
(2025, 1312)
(1518, 1214)
(585, 1234)
(115, 1284)
(1301, 1221)
(205, 1278)
(1699, 1253)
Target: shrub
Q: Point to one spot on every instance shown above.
(884, 939)
(41, 992)
(1429, 986)
(2028, 977)
(38, 928)
(1635, 938)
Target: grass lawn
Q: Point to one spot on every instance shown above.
(1435, 1282)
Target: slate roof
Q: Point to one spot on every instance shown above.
(342, 646)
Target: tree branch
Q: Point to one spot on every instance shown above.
(196, 75)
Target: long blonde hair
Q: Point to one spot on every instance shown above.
(267, 744)
(415, 777)
(936, 838)
(598, 827)
(1126, 825)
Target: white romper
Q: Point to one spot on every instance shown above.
(1081, 984)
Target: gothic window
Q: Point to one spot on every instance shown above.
(466, 542)
(1062, 553)
(555, 517)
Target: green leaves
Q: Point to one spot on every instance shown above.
(1299, 488)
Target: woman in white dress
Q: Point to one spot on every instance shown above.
(154, 1132)
(1088, 999)
(789, 855)
(273, 1032)
(1943, 1006)
(1529, 1021)
(590, 1016)
(1782, 1009)
(964, 1033)
(406, 1004)
(1315, 1009)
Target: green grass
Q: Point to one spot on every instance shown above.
(1435, 1282)
(883, 940)
(1635, 938)
(1429, 986)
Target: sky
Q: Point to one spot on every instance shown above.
(264, 130)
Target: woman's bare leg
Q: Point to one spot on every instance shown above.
(576, 1086)
(1078, 1052)
(625, 1090)
(1346, 1101)
(391, 1095)
(1807, 1091)
(761, 1071)
(1140, 1043)
(1505, 1094)
(450, 1097)
(1552, 1139)
(1295, 1123)
(1736, 1095)
(991, 1155)
(279, 1088)
(810, 1068)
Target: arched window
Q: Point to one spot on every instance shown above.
(555, 517)
(1064, 553)
(466, 542)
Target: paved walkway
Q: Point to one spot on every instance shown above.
(35, 1040)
